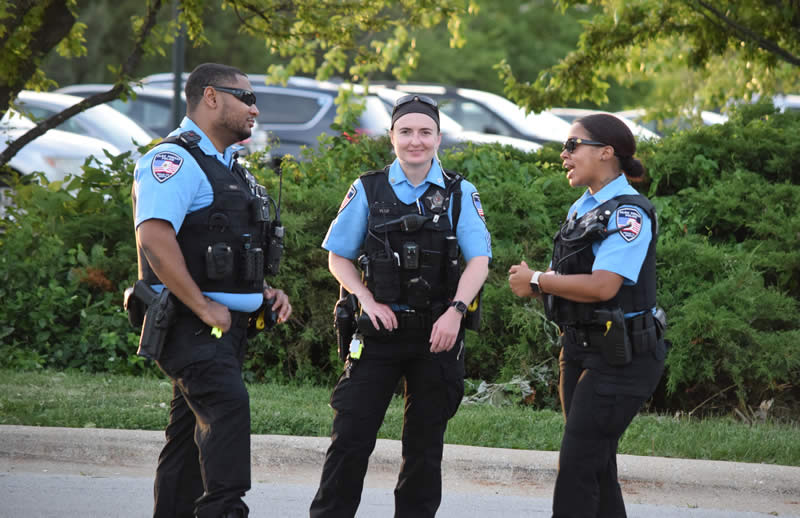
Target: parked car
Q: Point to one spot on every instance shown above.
(56, 153)
(293, 116)
(486, 112)
(101, 122)
(684, 122)
(570, 114)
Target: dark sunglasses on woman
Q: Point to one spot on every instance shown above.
(573, 142)
(411, 97)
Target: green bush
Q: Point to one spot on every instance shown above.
(728, 263)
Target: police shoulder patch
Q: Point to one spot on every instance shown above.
(629, 218)
(476, 201)
(351, 193)
(165, 165)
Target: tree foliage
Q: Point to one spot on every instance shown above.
(699, 53)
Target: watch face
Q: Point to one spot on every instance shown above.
(460, 307)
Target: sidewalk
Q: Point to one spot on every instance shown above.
(714, 484)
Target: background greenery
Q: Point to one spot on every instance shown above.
(729, 265)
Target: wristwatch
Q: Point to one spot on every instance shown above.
(460, 307)
(535, 282)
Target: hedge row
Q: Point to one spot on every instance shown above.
(729, 263)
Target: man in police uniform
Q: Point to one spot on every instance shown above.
(410, 220)
(199, 226)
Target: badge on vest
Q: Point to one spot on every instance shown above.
(348, 197)
(476, 200)
(165, 165)
(630, 218)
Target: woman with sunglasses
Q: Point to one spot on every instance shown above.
(600, 289)
(409, 223)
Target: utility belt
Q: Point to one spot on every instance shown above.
(154, 313)
(616, 337)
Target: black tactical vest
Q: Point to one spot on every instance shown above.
(412, 255)
(572, 254)
(222, 244)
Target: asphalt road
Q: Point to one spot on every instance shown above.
(87, 473)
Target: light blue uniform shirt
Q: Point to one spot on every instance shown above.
(622, 252)
(169, 184)
(347, 232)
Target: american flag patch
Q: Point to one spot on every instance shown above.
(632, 219)
(476, 200)
(165, 165)
(347, 197)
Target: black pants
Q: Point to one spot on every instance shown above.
(433, 391)
(204, 468)
(599, 402)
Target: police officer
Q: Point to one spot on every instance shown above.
(199, 229)
(409, 219)
(601, 291)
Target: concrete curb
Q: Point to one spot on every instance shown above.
(279, 455)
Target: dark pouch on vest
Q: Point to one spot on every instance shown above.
(253, 267)
(418, 293)
(386, 278)
(219, 261)
(609, 334)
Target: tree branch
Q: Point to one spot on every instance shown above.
(747, 34)
(127, 70)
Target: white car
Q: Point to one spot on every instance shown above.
(56, 153)
(571, 114)
(101, 122)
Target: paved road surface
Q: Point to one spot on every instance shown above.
(90, 473)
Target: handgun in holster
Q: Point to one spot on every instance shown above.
(344, 321)
(156, 320)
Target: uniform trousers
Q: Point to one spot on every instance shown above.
(434, 387)
(204, 468)
(599, 401)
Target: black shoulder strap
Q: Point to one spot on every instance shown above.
(453, 186)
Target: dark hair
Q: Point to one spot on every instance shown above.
(204, 75)
(611, 130)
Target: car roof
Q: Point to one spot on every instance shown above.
(99, 87)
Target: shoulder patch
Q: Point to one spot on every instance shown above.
(631, 218)
(165, 165)
(351, 193)
(476, 201)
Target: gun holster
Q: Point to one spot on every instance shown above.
(154, 312)
(344, 321)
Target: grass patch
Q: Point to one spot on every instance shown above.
(77, 400)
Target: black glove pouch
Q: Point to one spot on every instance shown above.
(609, 334)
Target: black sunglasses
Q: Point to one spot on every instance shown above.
(572, 143)
(415, 97)
(246, 96)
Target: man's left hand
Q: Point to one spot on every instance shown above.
(281, 305)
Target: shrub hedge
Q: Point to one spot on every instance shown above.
(729, 263)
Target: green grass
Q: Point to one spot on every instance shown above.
(73, 399)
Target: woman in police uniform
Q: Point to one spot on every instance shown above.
(410, 220)
(600, 289)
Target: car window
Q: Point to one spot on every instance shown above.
(475, 117)
(287, 108)
(374, 120)
(72, 125)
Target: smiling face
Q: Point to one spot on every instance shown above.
(588, 165)
(415, 139)
(236, 119)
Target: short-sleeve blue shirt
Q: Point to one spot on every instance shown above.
(347, 232)
(169, 184)
(622, 252)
